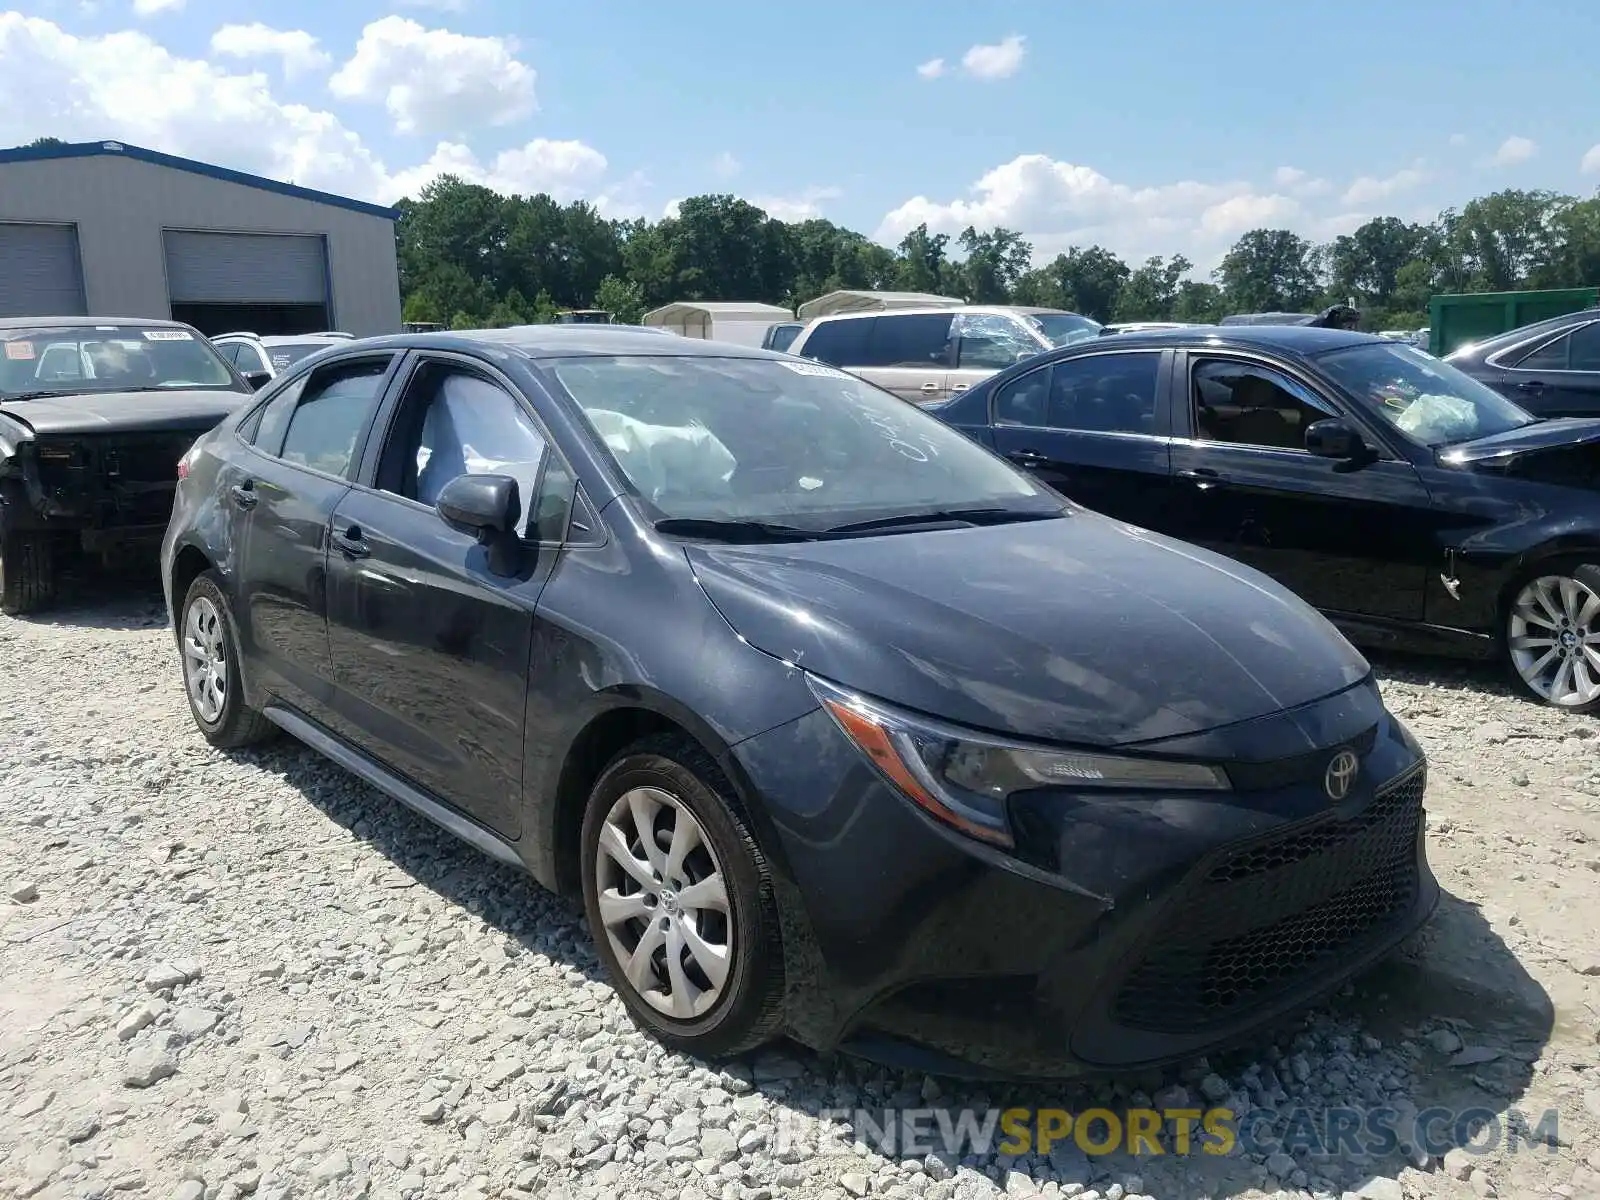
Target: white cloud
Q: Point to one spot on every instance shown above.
(149, 8)
(1458, 139)
(1298, 182)
(804, 207)
(1369, 188)
(1059, 204)
(999, 61)
(436, 81)
(725, 166)
(297, 49)
(567, 170)
(1512, 151)
(1591, 161)
(127, 86)
(931, 69)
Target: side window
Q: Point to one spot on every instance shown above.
(1249, 405)
(229, 351)
(839, 343)
(335, 406)
(248, 359)
(992, 342)
(1025, 400)
(1585, 352)
(1552, 356)
(1105, 393)
(274, 418)
(909, 340)
(455, 423)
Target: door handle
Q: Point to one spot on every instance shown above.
(960, 387)
(1028, 458)
(929, 389)
(244, 494)
(1532, 385)
(1203, 478)
(352, 543)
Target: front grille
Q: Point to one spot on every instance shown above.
(1275, 914)
(122, 478)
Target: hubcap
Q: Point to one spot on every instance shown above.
(205, 660)
(1555, 639)
(663, 903)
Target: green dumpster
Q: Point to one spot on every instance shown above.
(1456, 320)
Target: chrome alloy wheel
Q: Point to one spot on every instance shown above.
(205, 659)
(1554, 637)
(663, 903)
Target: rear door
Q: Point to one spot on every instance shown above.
(985, 343)
(306, 442)
(910, 355)
(1560, 377)
(1096, 428)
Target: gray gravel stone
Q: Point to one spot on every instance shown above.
(151, 1062)
(25, 892)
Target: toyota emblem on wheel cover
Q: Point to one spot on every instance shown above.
(1341, 775)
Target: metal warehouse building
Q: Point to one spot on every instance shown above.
(107, 229)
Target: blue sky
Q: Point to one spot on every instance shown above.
(1147, 127)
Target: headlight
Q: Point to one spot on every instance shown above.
(964, 778)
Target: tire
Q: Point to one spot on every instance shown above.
(1550, 632)
(27, 573)
(208, 638)
(663, 778)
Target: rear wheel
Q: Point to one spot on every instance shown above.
(211, 679)
(27, 573)
(679, 899)
(1552, 636)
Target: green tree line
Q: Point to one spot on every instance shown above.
(470, 257)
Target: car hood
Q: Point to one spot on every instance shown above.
(1079, 630)
(123, 412)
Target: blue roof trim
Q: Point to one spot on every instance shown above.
(155, 157)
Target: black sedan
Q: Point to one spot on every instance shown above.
(838, 724)
(1410, 503)
(1550, 368)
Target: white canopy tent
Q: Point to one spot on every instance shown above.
(739, 322)
(851, 300)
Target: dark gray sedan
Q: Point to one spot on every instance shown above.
(1551, 368)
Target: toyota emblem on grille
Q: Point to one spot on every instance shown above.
(1341, 775)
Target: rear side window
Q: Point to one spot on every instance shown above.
(1585, 352)
(247, 357)
(317, 421)
(1552, 356)
(1105, 393)
(913, 340)
(839, 343)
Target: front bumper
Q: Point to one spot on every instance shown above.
(1122, 932)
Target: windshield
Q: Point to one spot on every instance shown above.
(1062, 329)
(796, 443)
(62, 360)
(1426, 399)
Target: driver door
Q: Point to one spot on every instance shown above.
(430, 647)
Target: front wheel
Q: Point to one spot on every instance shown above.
(680, 903)
(1552, 636)
(211, 678)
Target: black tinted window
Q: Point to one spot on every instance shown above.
(1105, 393)
(1585, 352)
(274, 419)
(1552, 356)
(841, 343)
(912, 340)
(333, 411)
(1252, 406)
(1025, 400)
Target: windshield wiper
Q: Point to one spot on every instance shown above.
(34, 395)
(729, 530)
(949, 516)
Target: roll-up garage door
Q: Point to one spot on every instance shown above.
(40, 275)
(245, 268)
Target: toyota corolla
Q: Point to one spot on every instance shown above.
(839, 725)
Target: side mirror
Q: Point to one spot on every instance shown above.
(258, 379)
(1334, 438)
(486, 506)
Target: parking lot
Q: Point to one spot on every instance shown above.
(227, 975)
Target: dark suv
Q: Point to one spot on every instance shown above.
(839, 724)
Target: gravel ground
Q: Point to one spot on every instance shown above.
(224, 976)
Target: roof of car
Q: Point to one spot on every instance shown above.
(88, 322)
(1297, 339)
(566, 341)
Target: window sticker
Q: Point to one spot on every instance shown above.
(168, 335)
(816, 369)
(21, 351)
